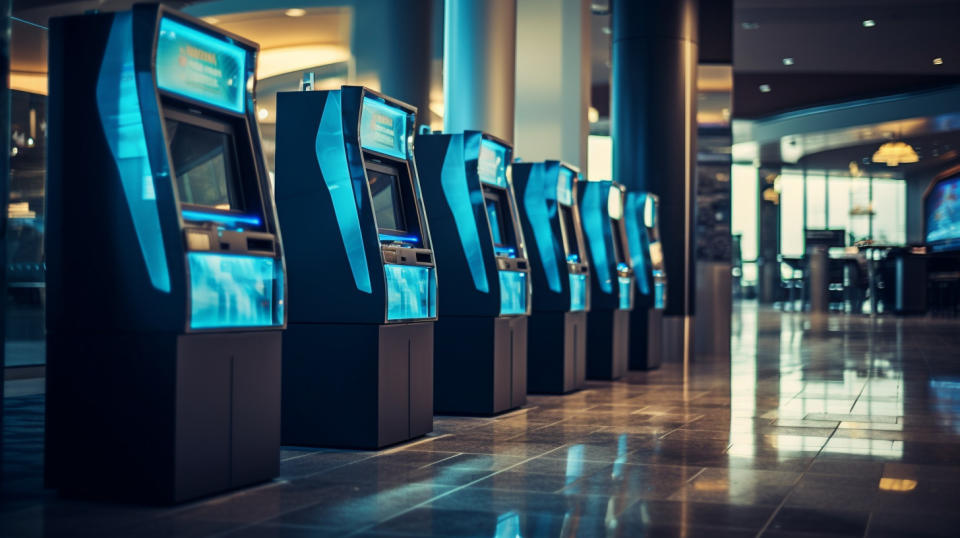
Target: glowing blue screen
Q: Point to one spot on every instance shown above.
(492, 163)
(513, 293)
(383, 128)
(578, 292)
(234, 291)
(626, 292)
(411, 292)
(200, 66)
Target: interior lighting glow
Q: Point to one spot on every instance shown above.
(869, 23)
(765, 88)
(938, 61)
(295, 12)
(263, 113)
(895, 153)
(279, 60)
(897, 484)
(788, 61)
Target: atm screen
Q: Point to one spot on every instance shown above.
(569, 231)
(385, 189)
(205, 165)
(495, 214)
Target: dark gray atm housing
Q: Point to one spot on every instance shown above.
(165, 280)
(480, 366)
(358, 354)
(557, 335)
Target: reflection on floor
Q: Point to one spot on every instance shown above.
(841, 426)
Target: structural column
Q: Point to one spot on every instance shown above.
(479, 66)
(653, 123)
(553, 80)
(391, 45)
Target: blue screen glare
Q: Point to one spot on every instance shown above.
(411, 292)
(118, 105)
(383, 128)
(457, 193)
(199, 66)
(234, 291)
(578, 292)
(389, 238)
(626, 292)
(565, 186)
(943, 213)
(492, 163)
(513, 293)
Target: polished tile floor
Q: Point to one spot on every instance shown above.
(834, 426)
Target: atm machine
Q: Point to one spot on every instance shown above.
(557, 333)
(646, 258)
(165, 270)
(611, 288)
(358, 354)
(480, 366)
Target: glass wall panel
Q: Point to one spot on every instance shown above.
(744, 219)
(838, 200)
(791, 214)
(816, 203)
(889, 205)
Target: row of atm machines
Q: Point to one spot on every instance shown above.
(176, 367)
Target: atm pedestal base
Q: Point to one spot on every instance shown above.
(608, 332)
(161, 418)
(480, 365)
(646, 353)
(357, 386)
(556, 352)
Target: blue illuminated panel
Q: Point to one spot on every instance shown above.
(626, 292)
(332, 161)
(456, 191)
(538, 201)
(390, 238)
(659, 298)
(411, 292)
(200, 66)
(119, 108)
(513, 293)
(383, 128)
(578, 292)
(596, 225)
(942, 208)
(234, 291)
(492, 163)
(635, 209)
(565, 186)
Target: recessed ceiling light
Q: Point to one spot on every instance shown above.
(606, 30)
(938, 61)
(749, 25)
(788, 61)
(868, 23)
(263, 113)
(295, 12)
(765, 88)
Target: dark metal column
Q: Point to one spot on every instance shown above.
(5, 6)
(653, 118)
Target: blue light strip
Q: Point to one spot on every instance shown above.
(118, 105)
(460, 200)
(578, 292)
(230, 220)
(626, 292)
(335, 173)
(399, 238)
(596, 224)
(634, 214)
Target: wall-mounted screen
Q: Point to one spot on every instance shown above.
(942, 213)
(387, 207)
(492, 163)
(205, 165)
(383, 128)
(199, 66)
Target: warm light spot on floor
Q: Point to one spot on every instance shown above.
(897, 484)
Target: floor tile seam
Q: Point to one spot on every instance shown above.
(444, 494)
(793, 488)
(431, 464)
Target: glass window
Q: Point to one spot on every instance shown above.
(744, 200)
(816, 201)
(860, 210)
(791, 214)
(889, 206)
(838, 212)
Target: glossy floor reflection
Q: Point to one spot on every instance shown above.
(835, 426)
